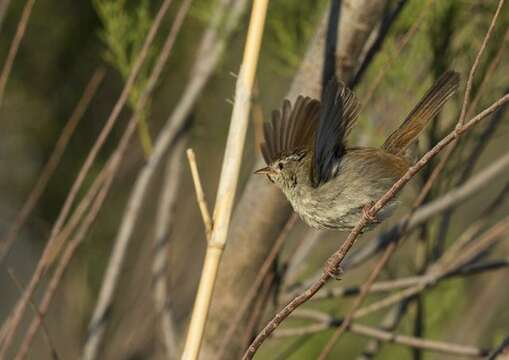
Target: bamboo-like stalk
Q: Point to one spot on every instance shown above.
(228, 181)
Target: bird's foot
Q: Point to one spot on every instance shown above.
(333, 270)
(367, 214)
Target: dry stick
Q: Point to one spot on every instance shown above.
(69, 252)
(13, 50)
(43, 263)
(53, 161)
(98, 322)
(251, 294)
(334, 262)
(100, 186)
(228, 180)
(47, 337)
(65, 233)
(200, 195)
(161, 245)
(325, 322)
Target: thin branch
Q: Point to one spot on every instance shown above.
(70, 250)
(53, 161)
(13, 50)
(200, 195)
(47, 337)
(405, 282)
(334, 262)
(475, 65)
(161, 245)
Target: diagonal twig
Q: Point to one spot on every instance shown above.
(200, 195)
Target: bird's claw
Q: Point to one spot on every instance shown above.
(366, 213)
(333, 270)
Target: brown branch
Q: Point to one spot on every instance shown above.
(200, 196)
(69, 252)
(53, 161)
(47, 337)
(334, 262)
(13, 50)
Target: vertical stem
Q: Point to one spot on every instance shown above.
(228, 181)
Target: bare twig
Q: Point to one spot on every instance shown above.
(334, 262)
(165, 213)
(13, 50)
(69, 252)
(200, 196)
(52, 162)
(47, 337)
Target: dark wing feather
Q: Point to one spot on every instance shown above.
(292, 129)
(338, 113)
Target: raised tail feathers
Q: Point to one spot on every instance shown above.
(422, 113)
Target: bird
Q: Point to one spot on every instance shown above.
(330, 184)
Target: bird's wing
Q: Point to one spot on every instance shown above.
(291, 129)
(338, 113)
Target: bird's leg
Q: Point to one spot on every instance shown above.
(333, 270)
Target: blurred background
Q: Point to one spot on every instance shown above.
(68, 43)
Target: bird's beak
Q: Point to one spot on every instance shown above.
(264, 171)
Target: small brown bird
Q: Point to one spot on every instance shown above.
(328, 183)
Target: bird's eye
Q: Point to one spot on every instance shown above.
(280, 166)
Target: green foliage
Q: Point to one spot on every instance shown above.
(125, 27)
(290, 24)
